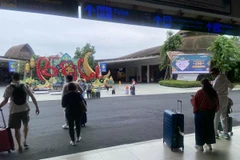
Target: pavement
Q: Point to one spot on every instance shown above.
(141, 89)
(157, 150)
(124, 123)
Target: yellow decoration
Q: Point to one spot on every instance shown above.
(86, 67)
(27, 67)
(32, 63)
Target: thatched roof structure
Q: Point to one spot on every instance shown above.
(196, 42)
(23, 51)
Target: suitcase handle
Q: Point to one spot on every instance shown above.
(4, 123)
(179, 106)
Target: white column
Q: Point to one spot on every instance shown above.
(126, 72)
(148, 73)
(139, 72)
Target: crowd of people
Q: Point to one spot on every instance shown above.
(210, 106)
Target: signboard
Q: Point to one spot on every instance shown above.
(191, 64)
(219, 6)
(67, 8)
(12, 66)
(103, 67)
(128, 16)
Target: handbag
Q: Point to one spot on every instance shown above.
(83, 104)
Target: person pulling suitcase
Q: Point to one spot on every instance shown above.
(18, 108)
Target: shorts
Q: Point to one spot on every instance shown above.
(16, 119)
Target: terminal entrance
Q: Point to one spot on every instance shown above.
(111, 118)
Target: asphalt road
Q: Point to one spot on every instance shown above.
(111, 122)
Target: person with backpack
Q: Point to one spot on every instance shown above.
(18, 108)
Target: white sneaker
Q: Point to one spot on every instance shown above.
(199, 148)
(79, 139)
(226, 136)
(65, 126)
(25, 145)
(209, 146)
(73, 143)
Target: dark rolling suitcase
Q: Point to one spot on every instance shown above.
(84, 116)
(229, 126)
(6, 139)
(84, 119)
(98, 94)
(173, 128)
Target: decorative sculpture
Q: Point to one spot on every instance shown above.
(55, 69)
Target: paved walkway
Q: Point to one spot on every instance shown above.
(141, 89)
(156, 150)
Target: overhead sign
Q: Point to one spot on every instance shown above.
(128, 16)
(12, 66)
(191, 64)
(220, 6)
(67, 8)
(103, 67)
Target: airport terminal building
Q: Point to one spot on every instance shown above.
(143, 66)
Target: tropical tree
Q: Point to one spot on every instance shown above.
(225, 53)
(173, 42)
(81, 52)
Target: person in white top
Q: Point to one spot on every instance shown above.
(18, 108)
(222, 86)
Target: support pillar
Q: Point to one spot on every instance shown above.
(148, 73)
(126, 73)
(139, 73)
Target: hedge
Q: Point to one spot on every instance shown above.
(180, 84)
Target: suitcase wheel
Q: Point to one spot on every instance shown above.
(9, 152)
(231, 133)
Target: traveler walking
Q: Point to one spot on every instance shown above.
(222, 86)
(75, 106)
(83, 85)
(18, 108)
(69, 79)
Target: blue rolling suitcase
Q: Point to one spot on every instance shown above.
(173, 128)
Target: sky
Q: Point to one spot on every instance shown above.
(49, 35)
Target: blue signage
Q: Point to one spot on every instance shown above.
(12, 66)
(134, 17)
(191, 64)
(103, 67)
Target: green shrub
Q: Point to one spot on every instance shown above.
(180, 84)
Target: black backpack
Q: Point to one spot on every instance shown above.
(19, 95)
